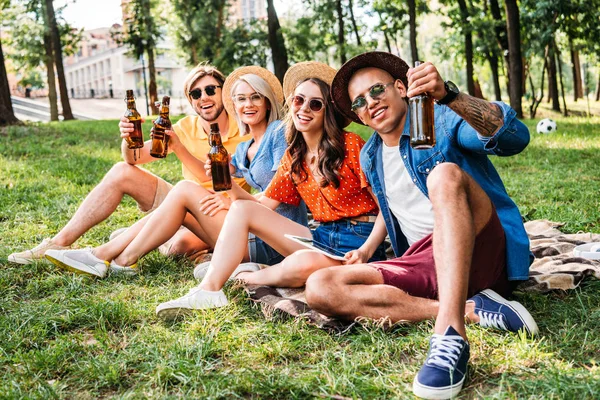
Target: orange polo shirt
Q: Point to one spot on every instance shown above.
(351, 199)
(191, 133)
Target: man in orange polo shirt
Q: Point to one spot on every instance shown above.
(203, 88)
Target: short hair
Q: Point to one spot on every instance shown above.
(200, 71)
(262, 87)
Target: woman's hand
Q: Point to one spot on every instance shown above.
(126, 127)
(174, 141)
(207, 169)
(213, 203)
(358, 256)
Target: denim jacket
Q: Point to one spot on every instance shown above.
(457, 142)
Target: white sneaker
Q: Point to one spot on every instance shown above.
(202, 268)
(81, 261)
(35, 254)
(121, 270)
(195, 299)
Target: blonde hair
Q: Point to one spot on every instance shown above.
(200, 71)
(262, 87)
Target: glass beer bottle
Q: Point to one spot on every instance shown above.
(422, 131)
(219, 161)
(160, 140)
(136, 138)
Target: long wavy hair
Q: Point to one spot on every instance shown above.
(331, 147)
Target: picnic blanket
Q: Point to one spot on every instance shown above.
(554, 268)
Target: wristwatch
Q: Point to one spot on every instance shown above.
(451, 93)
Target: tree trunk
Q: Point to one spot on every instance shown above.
(7, 114)
(552, 80)
(598, 88)
(464, 13)
(220, 18)
(49, 62)
(560, 74)
(501, 37)
(152, 91)
(535, 101)
(276, 41)
(60, 71)
(493, 60)
(412, 25)
(194, 53)
(385, 36)
(513, 28)
(341, 40)
(353, 20)
(577, 81)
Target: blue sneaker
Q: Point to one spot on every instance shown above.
(495, 311)
(443, 374)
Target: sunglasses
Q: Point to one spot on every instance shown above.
(375, 92)
(315, 105)
(210, 90)
(256, 99)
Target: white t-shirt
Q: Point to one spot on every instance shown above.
(409, 205)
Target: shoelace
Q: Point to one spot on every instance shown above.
(493, 320)
(445, 351)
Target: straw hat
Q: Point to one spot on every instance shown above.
(304, 70)
(265, 74)
(394, 65)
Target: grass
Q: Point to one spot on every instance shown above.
(66, 336)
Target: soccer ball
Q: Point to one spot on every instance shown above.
(546, 125)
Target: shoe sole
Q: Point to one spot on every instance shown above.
(171, 314)
(526, 317)
(428, 392)
(69, 268)
(22, 261)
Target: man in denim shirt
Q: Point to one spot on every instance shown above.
(456, 232)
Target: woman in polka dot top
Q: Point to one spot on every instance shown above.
(321, 167)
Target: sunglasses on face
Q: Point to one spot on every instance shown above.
(315, 105)
(375, 92)
(256, 99)
(210, 90)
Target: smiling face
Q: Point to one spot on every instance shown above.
(305, 119)
(386, 114)
(208, 107)
(251, 112)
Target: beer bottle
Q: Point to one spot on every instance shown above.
(160, 140)
(219, 161)
(422, 131)
(136, 138)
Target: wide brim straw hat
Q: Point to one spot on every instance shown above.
(394, 65)
(304, 70)
(265, 74)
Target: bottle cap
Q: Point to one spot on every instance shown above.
(166, 100)
(214, 128)
(417, 63)
(129, 93)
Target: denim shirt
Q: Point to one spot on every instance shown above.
(459, 143)
(261, 170)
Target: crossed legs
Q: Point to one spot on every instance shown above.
(461, 209)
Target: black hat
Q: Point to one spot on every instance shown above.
(394, 65)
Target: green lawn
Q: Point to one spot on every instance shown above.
(67, 336)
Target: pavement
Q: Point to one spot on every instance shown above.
(113, 108)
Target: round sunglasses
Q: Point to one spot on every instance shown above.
(210, 90)
(375, 92)
(315, 105)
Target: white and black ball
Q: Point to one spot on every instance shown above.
(546, 125)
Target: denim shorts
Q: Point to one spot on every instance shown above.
(341, 236)
(262, 253)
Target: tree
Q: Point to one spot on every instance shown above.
(341, 39)
(58, 54)
(276, 41)
(7, 115)
(513, 27)
(141, 36)
(412, 24)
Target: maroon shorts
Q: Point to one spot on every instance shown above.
(414, 272)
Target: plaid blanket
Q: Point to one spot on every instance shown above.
(554, 268)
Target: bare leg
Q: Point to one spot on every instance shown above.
(352, 291)
(166, 220)
(249, 216)
(461, 209)
(102, 201)
(291, 272)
